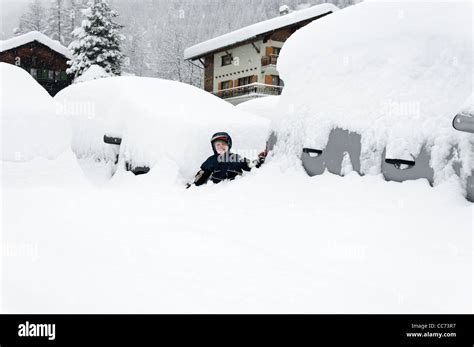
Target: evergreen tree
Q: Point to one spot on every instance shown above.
(97, 41)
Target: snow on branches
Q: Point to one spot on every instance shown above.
(97, 41)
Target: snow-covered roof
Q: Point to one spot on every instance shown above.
(257, 29)
(35, 36)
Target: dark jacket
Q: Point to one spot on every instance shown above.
(221, 167)
(227, 166)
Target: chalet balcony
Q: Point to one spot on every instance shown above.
(269, 60)
(253, 89)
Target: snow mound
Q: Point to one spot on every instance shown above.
(395, 72)
(158, 120)
(34, 36)
(92, 73)
(266, 107)
(30, 126)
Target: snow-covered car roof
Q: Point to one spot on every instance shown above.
(31, 36)
(256, 29)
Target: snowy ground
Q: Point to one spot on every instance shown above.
(273, 241)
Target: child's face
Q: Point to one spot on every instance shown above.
(221, 147)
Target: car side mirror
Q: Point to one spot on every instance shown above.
(464, 122)
(401, 164)
(312, 152)
(111, 140)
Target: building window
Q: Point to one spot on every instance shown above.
(245, 80)
(226, 59)
(225, 85)
(50, 75)
(276, 80)
(34, 73)
(63, 76)
(276, 51)
(43, 74)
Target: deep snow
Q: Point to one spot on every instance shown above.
(273, 241)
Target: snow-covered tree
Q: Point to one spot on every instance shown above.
(33, 19)
(98, 40)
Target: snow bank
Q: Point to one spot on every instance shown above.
(395, 72)
(42, 174)
(92, 73)
(257, 29)
(35, 36)
(30, 126)
(159, 121)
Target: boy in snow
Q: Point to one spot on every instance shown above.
(224, 165)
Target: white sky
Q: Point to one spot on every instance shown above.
(10, 11)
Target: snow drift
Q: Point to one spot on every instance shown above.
(30, 125)
(159, 121)
(395, 72)
(92, 73)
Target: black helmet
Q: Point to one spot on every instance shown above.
(221, 136)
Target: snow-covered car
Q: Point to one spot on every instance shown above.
(377, 91)
(30, 125)
(147, 121)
